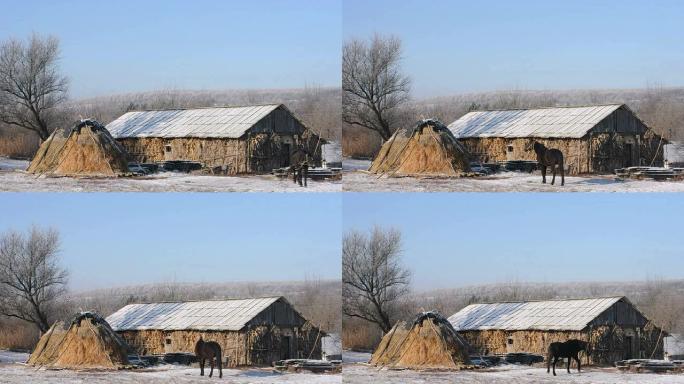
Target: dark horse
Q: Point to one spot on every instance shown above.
(208, 350)
(569, 349)
(300, 165)
(549, 157)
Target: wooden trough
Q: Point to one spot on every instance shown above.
(315, 366)
(650, 366)
(655, 173)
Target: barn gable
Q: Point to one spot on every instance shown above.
(211, 315)
(548, 315)
(558, 122)
(218, 122)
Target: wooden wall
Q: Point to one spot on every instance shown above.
(258, 345)
(607, 343)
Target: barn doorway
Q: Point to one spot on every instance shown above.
(285, 348)
(285, 156)
(628, 348)
(629, 161)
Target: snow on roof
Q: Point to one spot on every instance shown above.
(566, 122)
(559, 315)
(217, 315)
(220, 122)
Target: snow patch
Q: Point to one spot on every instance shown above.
(358, 181)
(18, 181)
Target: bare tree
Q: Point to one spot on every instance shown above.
(31, 87)
(31, 280)
(373, 279)
(373, 84)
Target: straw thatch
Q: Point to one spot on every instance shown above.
(87, 342)
(429, 343)
(429, 148)
(86, 149)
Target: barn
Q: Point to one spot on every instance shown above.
(613, 327)
(226, 140)
(594, 139)
(256, 331)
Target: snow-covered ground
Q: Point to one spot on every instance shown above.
(13, 179)
(355, 357)
(12, 357)
(15, 373)
(357, 180)
(358, 373)
(7, 164)
(355, 165)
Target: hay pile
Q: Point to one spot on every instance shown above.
(87, 342)
(86, 149)
(427, 149)
(429, 343)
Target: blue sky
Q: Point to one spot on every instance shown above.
(455, 46)
(460, 239)
(127, 45)
(114, 239)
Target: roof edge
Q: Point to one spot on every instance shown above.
(198, 301)
(619, 105)
(214, 107)
(537, 301)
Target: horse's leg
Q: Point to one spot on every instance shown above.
(562, 170)
(553, 169)
(219, 361)
(543, 173)
(568, 365)
(201, 366)
(555, 360)
(579, 365)
(306, 175)
(549, 356)
(211, 363)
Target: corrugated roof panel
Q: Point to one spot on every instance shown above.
(229, 315)
(224, 122)
(563, 122)
(571, 315)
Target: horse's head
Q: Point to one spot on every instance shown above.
(538, 147)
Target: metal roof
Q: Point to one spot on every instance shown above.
(216, 315)
(221, 122)
(563, 122)
(559, 315)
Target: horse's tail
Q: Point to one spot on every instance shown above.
(217, 352)
(219, 360)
